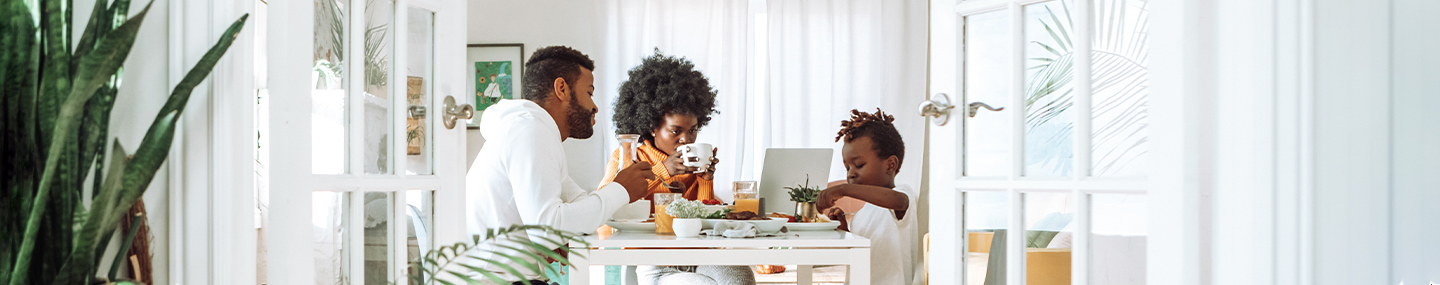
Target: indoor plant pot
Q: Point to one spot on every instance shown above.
(687, 227)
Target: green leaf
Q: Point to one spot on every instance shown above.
(125, 244)
(19, 64)
(98, 25)
(55, 69)
(534, 267)
(502, 265)
(1064, 38)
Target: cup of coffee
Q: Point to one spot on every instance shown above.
(696, 155)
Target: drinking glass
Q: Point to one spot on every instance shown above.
(747, 197)
(663, 220)
(628, 143)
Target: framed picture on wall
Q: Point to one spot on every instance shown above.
(495, 71)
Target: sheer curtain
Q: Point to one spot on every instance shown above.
(787, 71)
(828, 57)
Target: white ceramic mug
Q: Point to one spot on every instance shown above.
(696, 155)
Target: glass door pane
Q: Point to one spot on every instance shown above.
(1121, 83)
(987, 64)
(379, 22)
(330, 230)
(1118, 235)
(420, 212)
(1049, 73)
(328, 114)
(378, 245)
(987, 214)
(418, 123)
(1049, 232)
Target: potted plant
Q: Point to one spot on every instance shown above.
(687, 215)
(58, 93)
(511, 250)
(804, 196)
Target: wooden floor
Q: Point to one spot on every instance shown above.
(824, 274)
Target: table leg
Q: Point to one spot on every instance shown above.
(804, 275)
(859, 266)
(580, 273)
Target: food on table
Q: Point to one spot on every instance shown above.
(717, 214)
(746, 215)
(769, 269)
(794, 219)
(789, 218)
(712, 202)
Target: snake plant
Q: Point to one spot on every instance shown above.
(56, 111)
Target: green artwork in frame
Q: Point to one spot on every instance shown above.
(493, 82)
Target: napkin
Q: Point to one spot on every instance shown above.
(731, 229)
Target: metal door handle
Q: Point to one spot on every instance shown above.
(937, 108)
(975, 108)
(453, 112)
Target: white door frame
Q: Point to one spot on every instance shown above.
(946, 61)
(212, 224)
(292, 184)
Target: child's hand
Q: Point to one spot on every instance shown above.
(836, 214)
(828, 197)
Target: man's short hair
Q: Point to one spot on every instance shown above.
(548, 63)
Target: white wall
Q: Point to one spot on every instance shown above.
(140, 98)
(1293, 142)
(537, 24)
(1413, 141)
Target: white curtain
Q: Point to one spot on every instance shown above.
(787, 72)
(828, 57)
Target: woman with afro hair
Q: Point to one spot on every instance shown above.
(666, 101)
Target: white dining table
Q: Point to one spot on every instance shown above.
(804, 248)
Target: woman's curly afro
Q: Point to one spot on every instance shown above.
(662, 85)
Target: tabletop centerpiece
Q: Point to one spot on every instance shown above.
(804, 196)
(687, 215)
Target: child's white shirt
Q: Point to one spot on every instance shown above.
(894, 255)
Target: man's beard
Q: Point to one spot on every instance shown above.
(579, 120)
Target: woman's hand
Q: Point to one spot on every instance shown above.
(676, 165)
(709, 173)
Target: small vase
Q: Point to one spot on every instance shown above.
(686, 227)
(806, 212)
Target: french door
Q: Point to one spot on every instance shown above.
(1041, 156)
(364, 174)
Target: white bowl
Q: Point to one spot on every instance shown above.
(686, 227)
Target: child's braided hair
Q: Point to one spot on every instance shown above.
(879, 127)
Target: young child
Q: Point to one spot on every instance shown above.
(872, 156)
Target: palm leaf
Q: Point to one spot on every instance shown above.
(491, 248)
(1119, 85)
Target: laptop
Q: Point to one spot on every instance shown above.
(788, 167)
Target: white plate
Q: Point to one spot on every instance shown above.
(813, 226)
(631, 226)
(761, 226)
